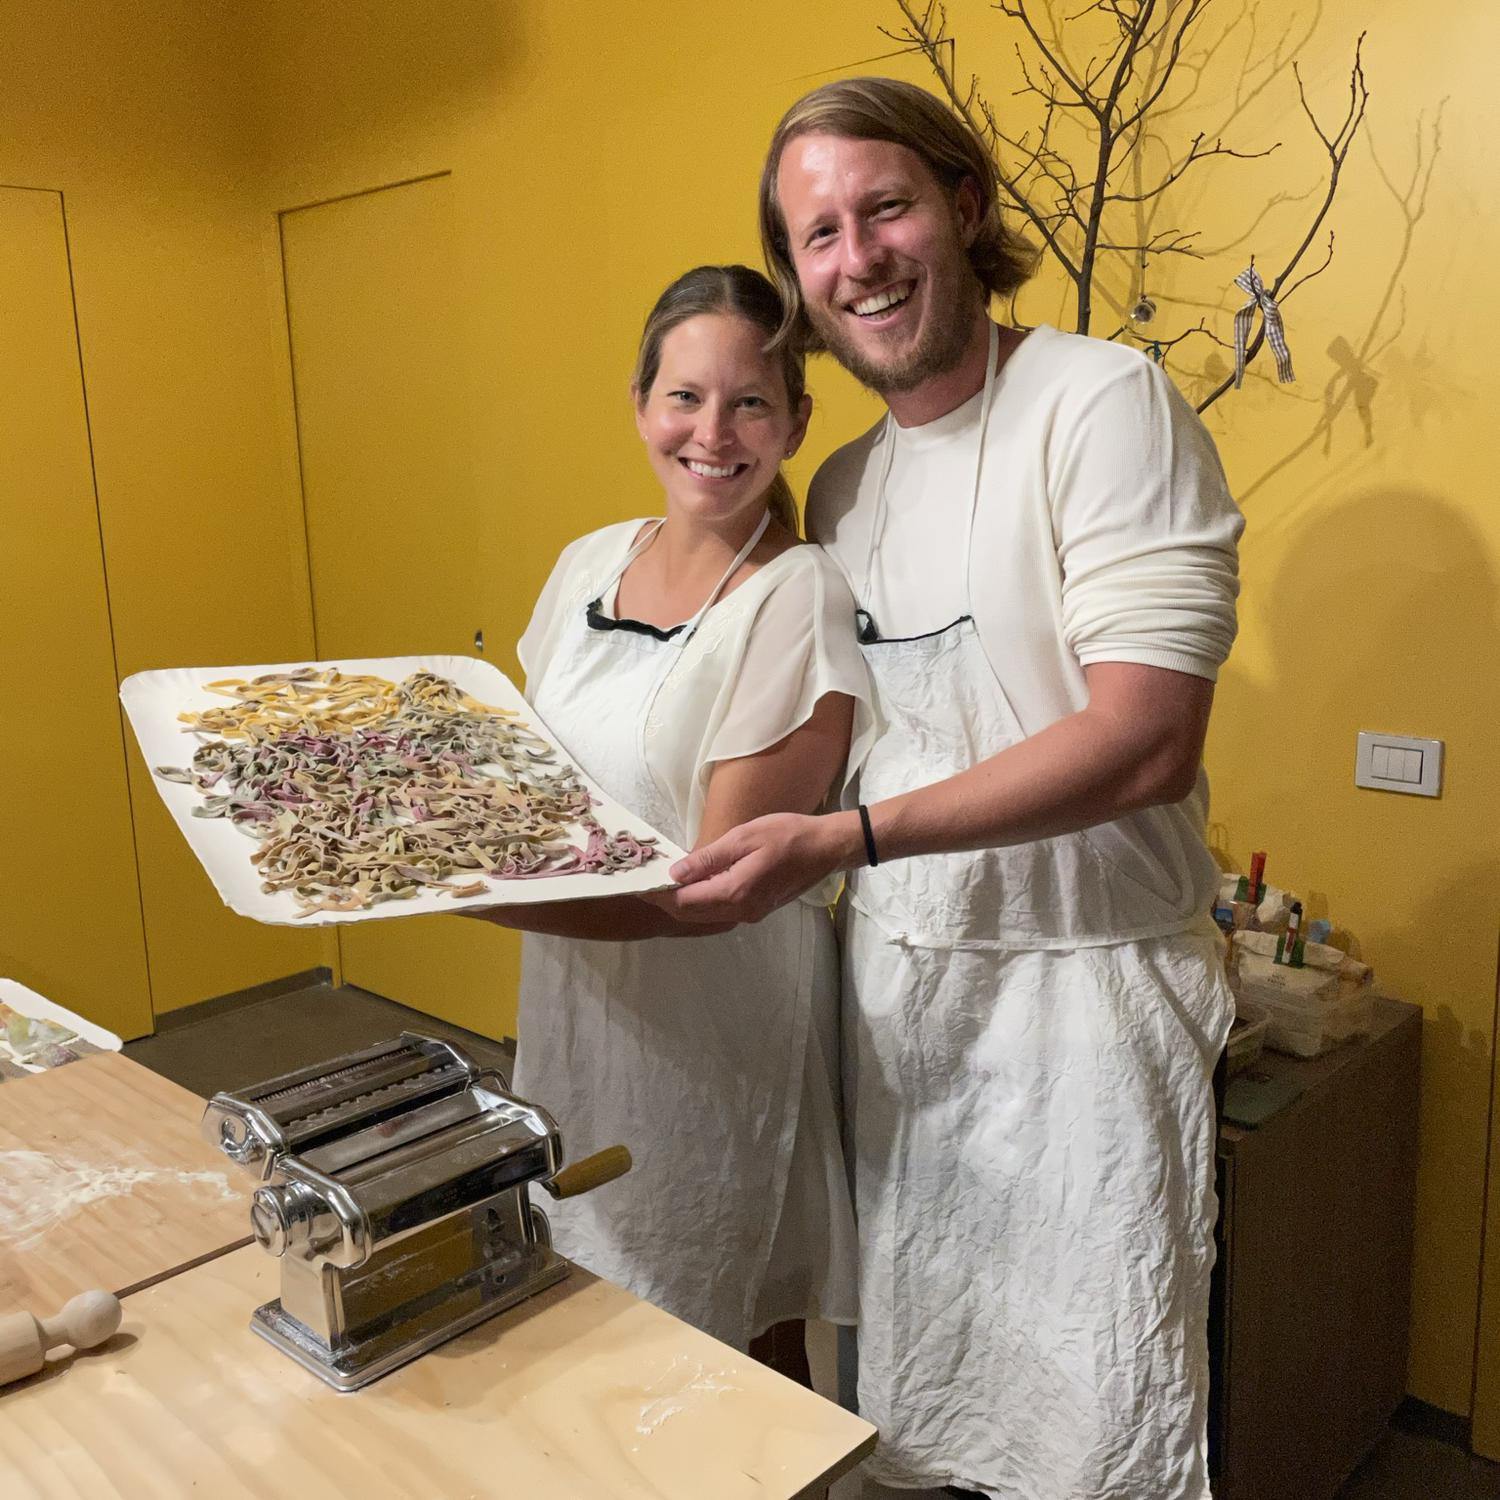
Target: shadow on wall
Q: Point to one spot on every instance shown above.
(344, 91)
(1365, 360)
(1378, 356)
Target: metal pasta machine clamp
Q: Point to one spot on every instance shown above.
(394, 1193)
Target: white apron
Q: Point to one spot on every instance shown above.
(1032, 1132)
(696, 1053)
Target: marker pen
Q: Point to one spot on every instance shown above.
(1286, 949)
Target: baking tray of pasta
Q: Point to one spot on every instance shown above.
(360, 790)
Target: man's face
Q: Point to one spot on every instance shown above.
(880, 251)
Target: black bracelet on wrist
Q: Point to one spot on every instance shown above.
(864, 822)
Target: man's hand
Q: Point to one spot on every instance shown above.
(762, 864)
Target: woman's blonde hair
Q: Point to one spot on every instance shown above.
(739, 292)
(885, 109)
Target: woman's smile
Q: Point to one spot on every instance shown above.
(705, 470)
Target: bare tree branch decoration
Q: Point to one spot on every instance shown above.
(1079, 173)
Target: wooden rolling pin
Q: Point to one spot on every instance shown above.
(87, 1320)
(593, 1171)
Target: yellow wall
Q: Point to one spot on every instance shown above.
(136, 114)
(389, 488)
(598, 150)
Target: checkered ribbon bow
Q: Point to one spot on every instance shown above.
(1250, 283)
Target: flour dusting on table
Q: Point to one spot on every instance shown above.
(39, 1191)
(673, 1404)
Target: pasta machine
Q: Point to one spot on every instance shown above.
(394, 1193)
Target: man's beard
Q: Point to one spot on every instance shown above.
(940, 349)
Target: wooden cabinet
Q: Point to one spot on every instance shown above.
(1312, 1294)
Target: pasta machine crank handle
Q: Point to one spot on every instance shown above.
(593, 1171)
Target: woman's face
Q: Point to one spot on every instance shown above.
(716, 422)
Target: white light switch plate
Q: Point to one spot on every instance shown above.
(1399, 763)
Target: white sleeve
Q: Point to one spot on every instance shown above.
(799, 647)
(534, 649)
(1145, 528)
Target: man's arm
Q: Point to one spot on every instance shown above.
(1137, 743)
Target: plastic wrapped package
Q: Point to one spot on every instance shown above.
(1307, 1010)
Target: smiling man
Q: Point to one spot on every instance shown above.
(1042, 547)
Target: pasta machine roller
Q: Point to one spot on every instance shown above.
(394, 1193)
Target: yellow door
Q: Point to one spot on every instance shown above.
(388, 487)
(71, 925)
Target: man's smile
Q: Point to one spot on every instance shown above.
(873, 305)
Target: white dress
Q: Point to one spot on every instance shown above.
(1030, 1031)
(714, 1059)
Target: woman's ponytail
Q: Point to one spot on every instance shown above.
(782, 504)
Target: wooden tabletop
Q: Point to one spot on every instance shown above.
(104, 1182)
(583, 1392)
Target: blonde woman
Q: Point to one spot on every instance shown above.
(702, 667)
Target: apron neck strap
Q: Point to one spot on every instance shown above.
(650, 535)
(984, 425)
(729, 573)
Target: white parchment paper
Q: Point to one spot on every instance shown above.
(153, 701)
(39, 1008)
